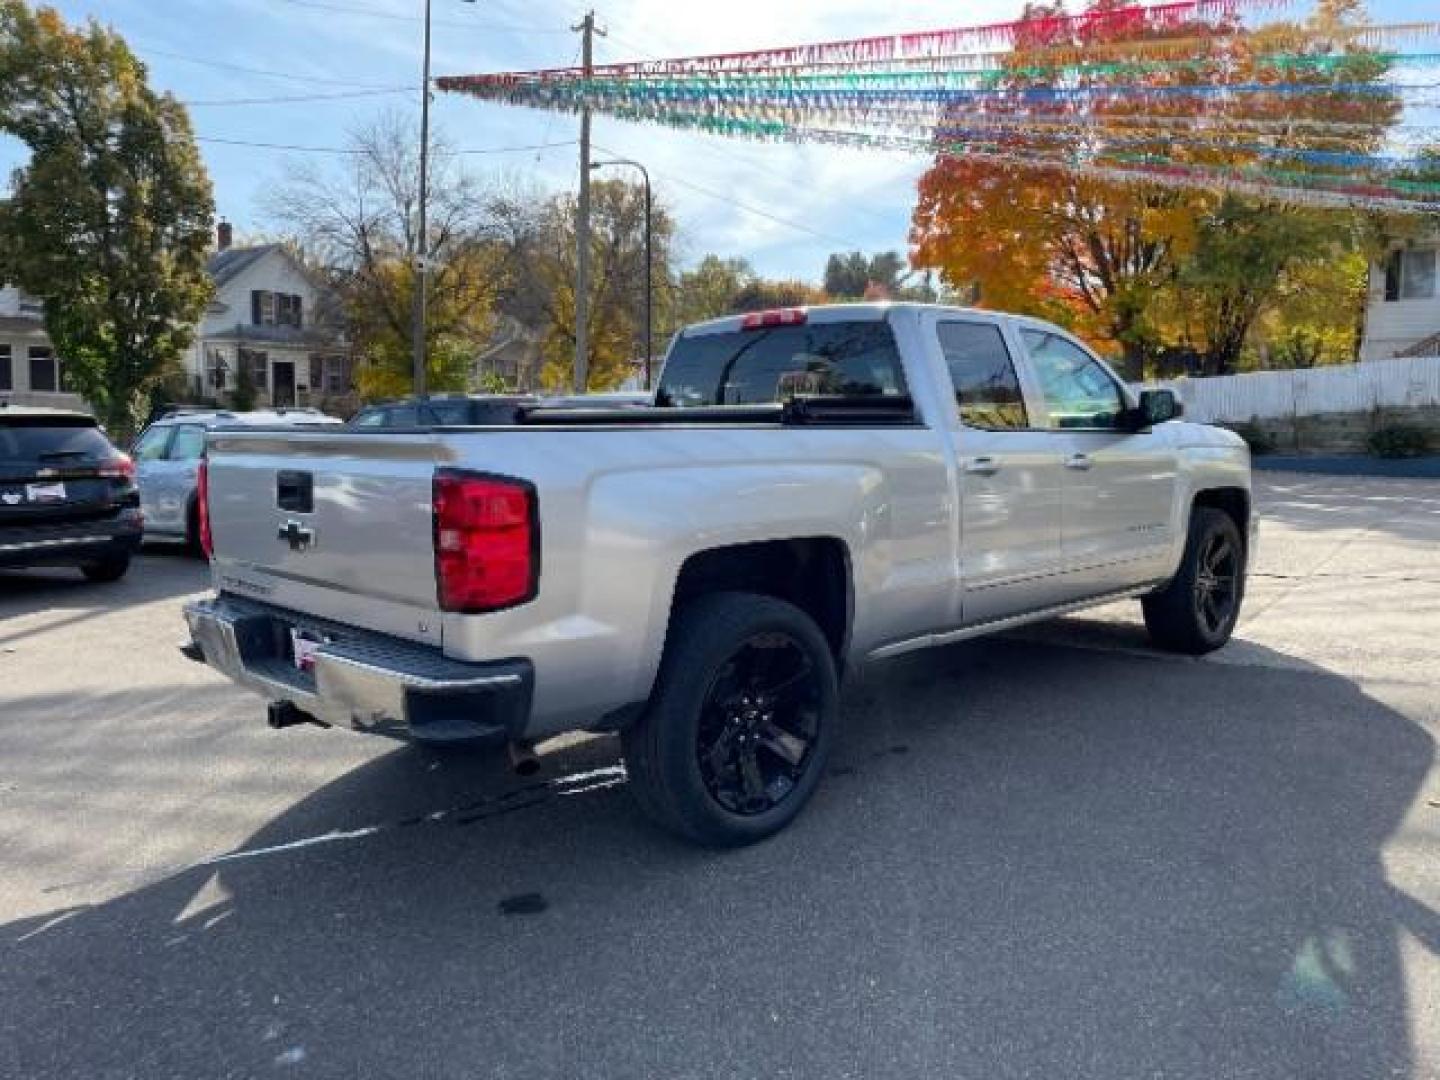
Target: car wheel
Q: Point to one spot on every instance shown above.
(1197, 611)
(736, 734)
(192, 530)
(110, 568)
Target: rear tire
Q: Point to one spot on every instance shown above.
(1196, 613)
(192, 531)
(736, 734)
(110, 568)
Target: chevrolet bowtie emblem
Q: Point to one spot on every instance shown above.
(296, 535)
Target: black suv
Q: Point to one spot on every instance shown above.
(67, 496)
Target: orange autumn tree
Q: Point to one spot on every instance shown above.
(1077, 248)
(1137, 266)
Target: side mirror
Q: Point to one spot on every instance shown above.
(1156, 406)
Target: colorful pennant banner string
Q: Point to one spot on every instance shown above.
(1191, 94)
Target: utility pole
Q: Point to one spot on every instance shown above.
(421, 248)
(586, 27)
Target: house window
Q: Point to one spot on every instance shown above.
(337, 376)
(1410, 275)
(7, 373)
(275, 309)
(216, 369)
(287, 309)
(262, 307)
(44, 369)
(258, 365)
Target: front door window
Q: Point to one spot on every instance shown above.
(1078, 391)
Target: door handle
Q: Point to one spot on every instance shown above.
(1078, 461)
(983, 466)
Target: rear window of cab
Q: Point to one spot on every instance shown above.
(762, 366)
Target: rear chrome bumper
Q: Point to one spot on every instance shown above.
(359, 679)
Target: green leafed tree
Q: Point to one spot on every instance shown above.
(109, 221)
(709, 290)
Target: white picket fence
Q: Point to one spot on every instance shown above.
(1375, 384)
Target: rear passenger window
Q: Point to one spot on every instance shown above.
(754, 367)
(189, 443)
(151, 446)
(986, 386)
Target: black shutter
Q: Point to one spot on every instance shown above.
(1392, 276)
(254, 307)
(295, 306)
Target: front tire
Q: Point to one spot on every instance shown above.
(110, 568)
(1196, 613)
(736, 734)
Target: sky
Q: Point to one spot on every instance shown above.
(783, 207)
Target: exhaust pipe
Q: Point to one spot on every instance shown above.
(283, 714)
(523, 759)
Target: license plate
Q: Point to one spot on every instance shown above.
(303, 646)
(45, 493)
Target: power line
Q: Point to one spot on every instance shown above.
(746, 206)
(289, 98)
(269, 73)
(349, 150)
(373, 13)
(518, 149)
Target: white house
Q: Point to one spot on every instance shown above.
(1402, 316)
(30, 374)
(268, 315)
(271, 319)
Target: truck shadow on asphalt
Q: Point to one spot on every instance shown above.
(1028, 860)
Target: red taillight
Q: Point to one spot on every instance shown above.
(487, 541)
(120, 467)
(758, 320)
(202, 507)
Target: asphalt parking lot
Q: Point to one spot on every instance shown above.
(1055, 854)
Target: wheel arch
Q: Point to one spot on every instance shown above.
(812, 572)
(1234, 501)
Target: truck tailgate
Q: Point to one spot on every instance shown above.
(334, 525)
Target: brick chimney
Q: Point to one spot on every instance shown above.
(224, 234)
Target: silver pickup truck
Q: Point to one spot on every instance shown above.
(812, 489)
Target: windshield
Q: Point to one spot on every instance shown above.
(752, 367)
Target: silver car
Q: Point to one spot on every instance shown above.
(167, 458)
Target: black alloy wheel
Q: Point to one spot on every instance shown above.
(759, 723)
(1217, 582)
(739, 725)
(1196, 611)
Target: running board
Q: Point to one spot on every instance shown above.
(965, 633)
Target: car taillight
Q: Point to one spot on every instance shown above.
(120, 467)
(202, 507)
(758, 320)
(487, 541)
